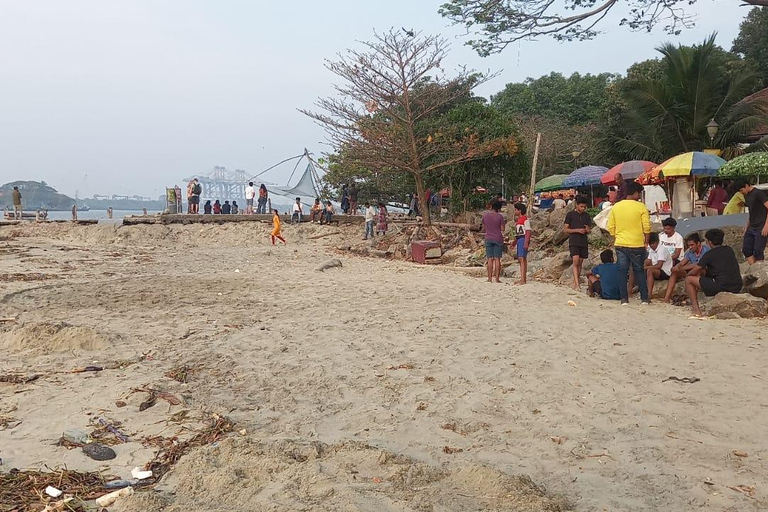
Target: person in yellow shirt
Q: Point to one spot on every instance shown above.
(735, 205)
(630, 224)
(276, 230)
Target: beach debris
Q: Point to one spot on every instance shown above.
(149, 402)
(98, 451)
(743, 489)
(332, 263)
(740, 453)
(557, 439)
(684, 380)
(242, 432)
(139, 474)
(112, 497)
(450, 451)
(180, 373)
(112, 428)
(237, 271)
(120, 403)
(9, 422)
(87, 369)
(23, 488)
(406, 366)
(53, 492)
(7, 320)
(19, 378)
(421, 407)
(572, 303)
(75, 436)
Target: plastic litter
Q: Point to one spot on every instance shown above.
(138, 474)
(109, 499)
(53, 492)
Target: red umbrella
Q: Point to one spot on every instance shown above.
(629, 170)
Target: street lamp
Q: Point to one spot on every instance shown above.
(712, 128)
(576, 154)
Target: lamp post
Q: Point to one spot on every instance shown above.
(576, 154)
(712, 128)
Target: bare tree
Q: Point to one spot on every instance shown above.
(383, 117)
(501, 22)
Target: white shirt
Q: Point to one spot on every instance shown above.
(297, 207)
(672, 243)
(558, 203)
(370, 214)
(661, 254)
(250, 192)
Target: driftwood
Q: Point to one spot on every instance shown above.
(471, 227)
(323, 235)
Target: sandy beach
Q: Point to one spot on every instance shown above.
(380, 385)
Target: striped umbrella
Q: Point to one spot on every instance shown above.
(694, 163)
(629, 170)
(554, 182)
(585, 176)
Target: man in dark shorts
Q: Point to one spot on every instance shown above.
(756, 232)
(493, 224)
(194, 199)
(577, 226)
(721, 269)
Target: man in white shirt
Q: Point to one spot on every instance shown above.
(559, 202)
(370, 216)
(250, 193)
(658, 266)
(297, 211)
(671, 240)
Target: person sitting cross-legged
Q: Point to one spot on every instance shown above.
(696, 249)
(605, 280)
(717, 271)
(658, 265)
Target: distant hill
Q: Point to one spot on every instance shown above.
(34, 196)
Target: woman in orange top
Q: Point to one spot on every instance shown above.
(276, 233)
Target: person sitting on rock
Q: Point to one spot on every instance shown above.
(695, 251)
(716, 271)
(658, 265)
(604, 280)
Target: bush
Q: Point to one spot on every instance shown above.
(593, 212)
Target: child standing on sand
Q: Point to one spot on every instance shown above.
(522, 240)
(276, 232)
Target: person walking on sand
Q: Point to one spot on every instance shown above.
(16, 203)
(370, 220)
(522, 240)
(383, 223)
(756, 231)
(629, 223)
(493, 224)
(276, 229)
(577, 225)
(250, 193)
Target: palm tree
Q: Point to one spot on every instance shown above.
(668, 115)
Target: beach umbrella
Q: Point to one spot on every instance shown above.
(629, 170)
(694, 163)
(554, 182)
(585, 176)
(751, 164)
(650, 177)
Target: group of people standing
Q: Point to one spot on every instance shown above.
(643, 257)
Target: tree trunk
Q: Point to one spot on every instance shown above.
(423, 202)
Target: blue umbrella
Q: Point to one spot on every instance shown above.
(585, 176)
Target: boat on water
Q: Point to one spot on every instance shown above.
(83, 208)
(37, 215)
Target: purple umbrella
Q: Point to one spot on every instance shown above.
(585, 176)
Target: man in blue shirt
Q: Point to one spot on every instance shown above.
(605, 280)
(696, 249)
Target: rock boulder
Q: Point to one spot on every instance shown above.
(743, 304)
(756, 279)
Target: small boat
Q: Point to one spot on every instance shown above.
(83, 208)
(38, 215)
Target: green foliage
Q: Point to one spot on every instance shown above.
(752, 41)
(665, 114)
(578, 99)
(751, 164)
(593, 212)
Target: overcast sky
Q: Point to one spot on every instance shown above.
(126, 97)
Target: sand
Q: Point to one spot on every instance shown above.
(380, 385)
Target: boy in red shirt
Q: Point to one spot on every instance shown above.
(522, 240)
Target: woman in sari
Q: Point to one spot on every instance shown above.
(382, 225)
